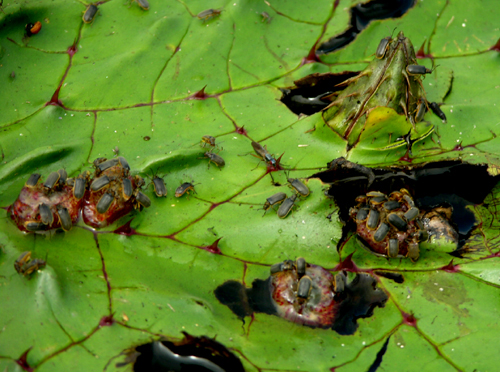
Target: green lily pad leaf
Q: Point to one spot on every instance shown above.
(148, 85)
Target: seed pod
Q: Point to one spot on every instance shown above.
(276, 268)
(99, 183)
(107, 164)
(90, 13)
(45, 214)
(381, 232)
(51, 180)
(417, 70)
(301, 188)
(143, 199)
(362, 214)
(396, 221)
(301, 267)
(79, 187)
(304, 287)
(373, 219)
(275, 199)
(34, 226)
(216, 159)
(393, 248)
(391, 205)
(63, 176)
(33, 180)
(286, 206)
(104, 203)
(413, 251)
(437, 110)
(64, 218)
(124, 163)
(382, 47)
(127, 188)
(411, 213)
(339, 284)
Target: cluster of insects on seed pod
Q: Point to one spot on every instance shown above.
(308, 294)
(26, 266)
(389, 225)
(102, 197)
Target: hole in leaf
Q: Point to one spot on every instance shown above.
(197, 354)
(361, 16)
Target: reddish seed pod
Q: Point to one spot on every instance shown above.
(59, 201)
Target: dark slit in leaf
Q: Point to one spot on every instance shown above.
(361, 16)
(380, 355)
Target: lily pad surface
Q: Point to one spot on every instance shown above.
(148, 84)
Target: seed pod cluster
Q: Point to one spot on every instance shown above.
(310, 295)
(110, 193)
(390, 225)
(306, 294)
(46, 205)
